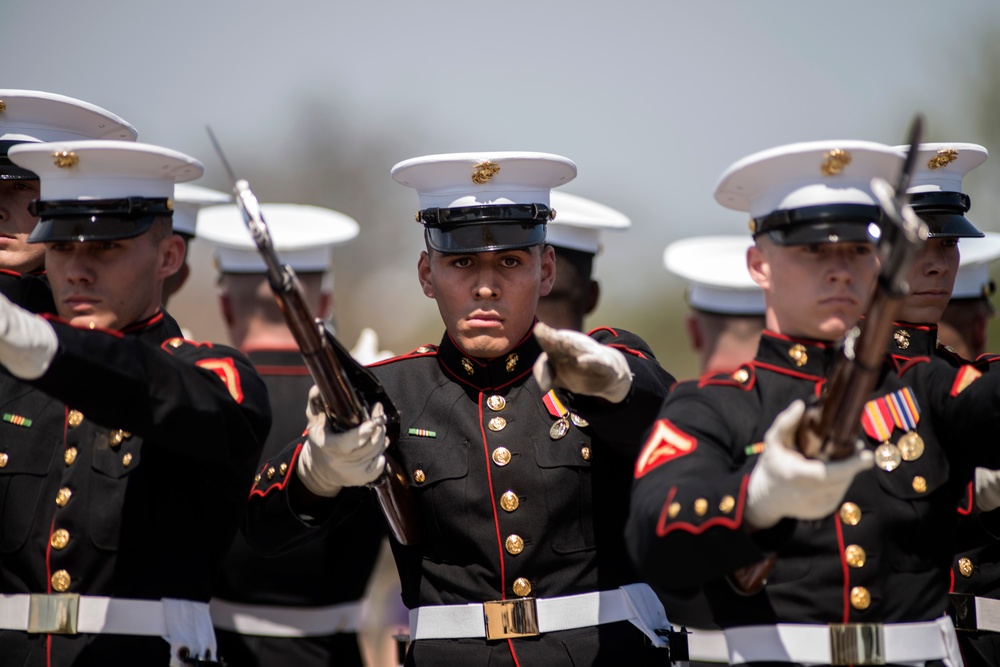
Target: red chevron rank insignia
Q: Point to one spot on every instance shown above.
(665, 444)
(226, 370)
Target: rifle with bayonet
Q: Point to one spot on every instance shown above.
(831, 425)
(346, 388)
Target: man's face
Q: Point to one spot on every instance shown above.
(16, 254)
(814, 291)
(931, 279)
(110, 284)
(487, 300)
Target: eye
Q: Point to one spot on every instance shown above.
(510, 261)
(461, 262)
(949, 243)
(57, 247)
(863, 249)
(108, 245)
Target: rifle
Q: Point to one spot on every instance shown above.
(336, 374)
(830, 426)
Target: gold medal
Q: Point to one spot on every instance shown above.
(887, 457)
(579, 421)
(911, 446)
(559, 429)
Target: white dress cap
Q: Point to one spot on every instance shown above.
(814, 173)
(488, 177)
(302, 236)
(973, 279)
(188, 200)
(716, 270)
(940, 167)
(579, 222)
(31, 115)
(82, 170)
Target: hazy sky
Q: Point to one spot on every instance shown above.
(652, 99)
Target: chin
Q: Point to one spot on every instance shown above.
(485, 347)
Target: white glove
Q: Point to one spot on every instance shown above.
(786, 484)
(27, 342)
(330, 461)
(577, 362)
(366, 350)
(987, 489)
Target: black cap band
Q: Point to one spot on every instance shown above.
(828, 223)
(96, 219)
(487, 228)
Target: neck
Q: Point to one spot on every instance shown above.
(257, 335)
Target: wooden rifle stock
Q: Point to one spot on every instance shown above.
(342, 402)
(830, 426)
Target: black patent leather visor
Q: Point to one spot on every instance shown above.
(944, 213)
(485, 228)
(95, 220)
(485, 237)
(835, 223)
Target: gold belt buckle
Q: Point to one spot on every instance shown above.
(54, 614)
(857, 644)
(506, 619)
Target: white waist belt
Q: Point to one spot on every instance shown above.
(70, 613)
(707, 646)
(275, 621)
(846, 644)
(975, 613)
(527, 617)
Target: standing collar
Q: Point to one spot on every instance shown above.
(489, 374)
(913, 340)
(803, 356)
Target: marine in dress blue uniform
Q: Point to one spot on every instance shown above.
(126, 449)
(857, 576)
(521, 489)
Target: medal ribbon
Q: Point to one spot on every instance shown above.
(905, 411)
(554, 405)
(875, 420)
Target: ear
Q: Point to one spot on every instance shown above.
(593, 296)
(226, 306)
(548, 270)
(758, 266)
(424, 274)
(171, 256)
(694, 332)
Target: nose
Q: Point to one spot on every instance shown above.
(839, 267)
(78, 268)
(933, 260)
(486, 284)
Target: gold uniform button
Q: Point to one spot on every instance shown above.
(116, 438)
(509, 501)
(850, 514)
(270, 472)
(855, 556)
(70, 456)
(919, 484)
(63, 496)
(419, 476)
(741, 375)
(522, 587)
(496, 403)
(861, 599)
(4, 459)
(127, 459)
(282, 469)
(585, 453)
(727, 504)
(700, 507)
(514, 544)
(75, 418)
(59, 539)
(497, 424)
(61, 581)
(501, 456)
(256, 479)
(965, 567)
(674, 510)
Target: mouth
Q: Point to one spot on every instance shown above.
(839, 300)
(483, 319)
(80, 303)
